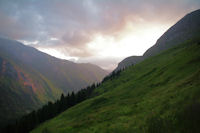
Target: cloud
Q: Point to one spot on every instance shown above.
(76, 38)
(75, 23)
(37, 19)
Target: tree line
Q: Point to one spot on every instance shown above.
(113, 75)
(48, 111)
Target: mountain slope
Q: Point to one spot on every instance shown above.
(160, 94)
(30, 78)
(132, 60)
(184, 29)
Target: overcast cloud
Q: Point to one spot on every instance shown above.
(68, 26)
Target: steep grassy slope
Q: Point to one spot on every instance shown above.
(161, 94)
(30, 78)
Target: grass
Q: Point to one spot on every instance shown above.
(157, 95)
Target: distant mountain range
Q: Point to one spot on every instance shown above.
(183, 30)
(29, 78)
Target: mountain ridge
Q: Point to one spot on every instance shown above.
(184, 29)
(33, 78)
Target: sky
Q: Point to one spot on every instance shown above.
(102, 32)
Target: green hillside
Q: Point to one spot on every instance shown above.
(160, 94)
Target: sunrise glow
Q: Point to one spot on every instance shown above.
(131, 41)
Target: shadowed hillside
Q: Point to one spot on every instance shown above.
(30, 78)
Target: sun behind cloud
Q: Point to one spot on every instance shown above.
(134, 39)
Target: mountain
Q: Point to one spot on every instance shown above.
(158, 95)
(183, 30)
(30, 78)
